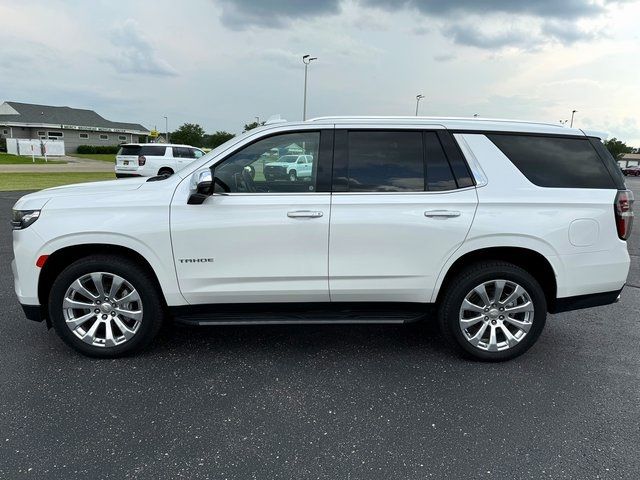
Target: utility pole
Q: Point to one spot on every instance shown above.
(572, 115)
(418, 98)
(307, 59)
(166, 128)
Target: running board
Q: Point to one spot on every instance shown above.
(297, 314)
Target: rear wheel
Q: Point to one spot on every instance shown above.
(493, 311)
(293, 176)
(105, 306)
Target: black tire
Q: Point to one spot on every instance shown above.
(467, 280)
(139, 278)
(165, 171)
(293, 176)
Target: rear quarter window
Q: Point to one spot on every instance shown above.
(555, 161)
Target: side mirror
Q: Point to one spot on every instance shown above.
(201, 186)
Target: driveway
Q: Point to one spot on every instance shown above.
(334, 402)
(74, 164)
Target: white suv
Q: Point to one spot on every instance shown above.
(151, 159)
(492, 223)
(290, 167)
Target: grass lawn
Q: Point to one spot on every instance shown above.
(8, 159)
(105, 157)
(38, 181)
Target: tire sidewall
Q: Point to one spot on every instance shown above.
(151, 306)
(460, 291)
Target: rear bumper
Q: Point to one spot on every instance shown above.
(127, 175)
(578, 302)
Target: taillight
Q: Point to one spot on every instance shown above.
(623, 208)
(141, 160)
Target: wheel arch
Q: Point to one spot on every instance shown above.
(63, 257)
(531, 260)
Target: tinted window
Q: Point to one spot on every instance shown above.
(555, 161)
(268, 165)
(439, 173)
(456, 160)
(385, 162)
(182, 152)
(152, 150)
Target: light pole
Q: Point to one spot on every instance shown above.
(573, 112)
(166, 128)
(307, 59)
(418, 98)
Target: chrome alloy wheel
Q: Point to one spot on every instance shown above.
(102, 309)
(496, 315)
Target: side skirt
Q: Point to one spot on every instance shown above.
(300, 313)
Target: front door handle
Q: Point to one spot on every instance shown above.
(442, 213)
(304, 214)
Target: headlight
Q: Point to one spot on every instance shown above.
(23, 218)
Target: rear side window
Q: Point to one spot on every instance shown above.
(183, 152)
(439, 173)
(152, 150)
(380, 161)
(555, 161)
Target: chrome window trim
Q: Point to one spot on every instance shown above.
(439, 192)
(476, 169)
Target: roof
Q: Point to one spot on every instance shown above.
(631, 156)
(455, 123)
(16, 113)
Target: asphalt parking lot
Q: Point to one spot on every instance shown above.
(383, 402)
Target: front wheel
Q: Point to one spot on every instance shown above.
(105, 306)
(493, 311)
(293, 176)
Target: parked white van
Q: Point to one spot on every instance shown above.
(151, 159)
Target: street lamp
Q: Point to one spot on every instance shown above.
(306, 59)
(573, 112)
(166, 128)
(418, 98)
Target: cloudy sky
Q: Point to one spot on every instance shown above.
(221, 63)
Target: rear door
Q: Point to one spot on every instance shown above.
(398, 212)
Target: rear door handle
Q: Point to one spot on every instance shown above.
(304, 214)
(442, 213)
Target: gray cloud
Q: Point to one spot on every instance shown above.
(550, 20)
(240, 14)
(445, 57)
(567, 9)
(136, 54)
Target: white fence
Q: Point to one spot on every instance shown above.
(38, 148)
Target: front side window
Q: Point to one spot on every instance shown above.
(385, 161)
(270, 165)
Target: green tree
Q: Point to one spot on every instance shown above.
(617, 148)
(217, 138)
(252, 125)
(189, 134)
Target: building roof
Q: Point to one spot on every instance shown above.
(27, 114)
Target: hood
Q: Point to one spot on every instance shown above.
(36, 200)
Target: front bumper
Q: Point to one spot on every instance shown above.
(32, 312)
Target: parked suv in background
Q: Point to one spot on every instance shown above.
(151, 159)
(486, 224)
(289, 167)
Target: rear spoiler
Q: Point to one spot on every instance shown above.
(602, 135)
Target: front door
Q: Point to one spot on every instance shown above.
(256, 240)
